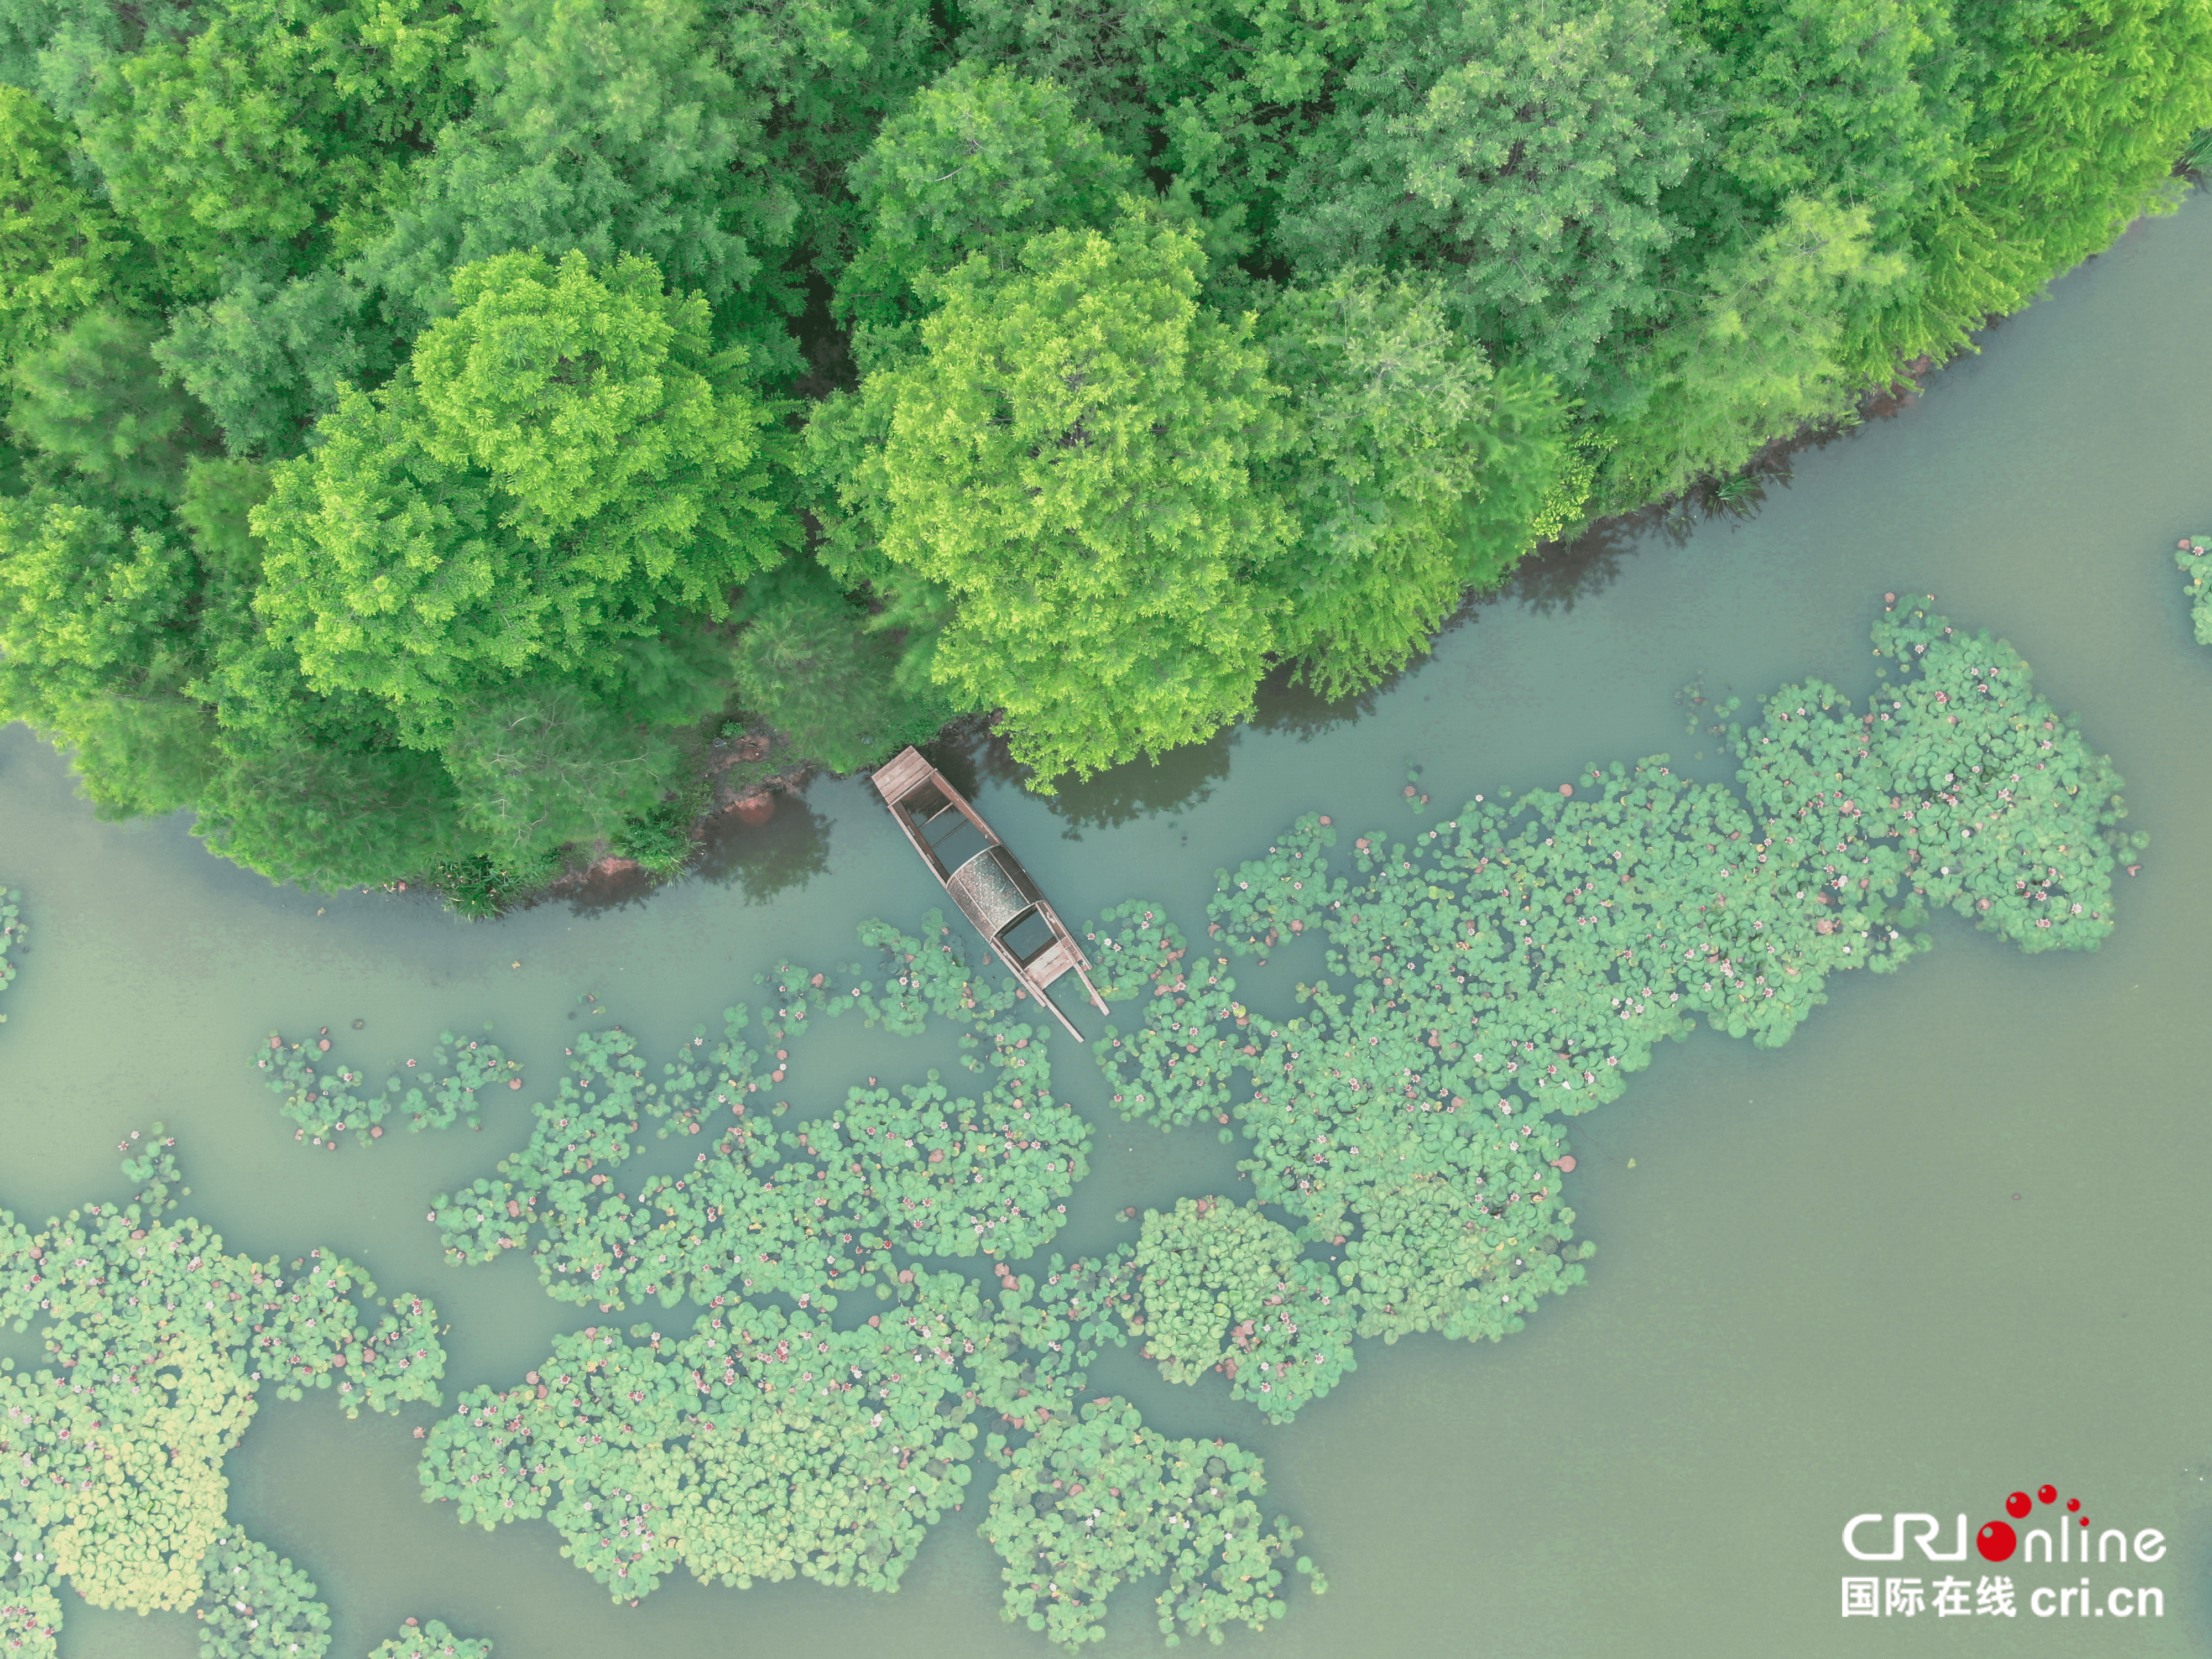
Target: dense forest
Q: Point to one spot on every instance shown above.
(442, 439)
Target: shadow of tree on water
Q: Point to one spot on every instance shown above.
(1557, 574)
(763, 859)
(971, 754)
(1285, 702)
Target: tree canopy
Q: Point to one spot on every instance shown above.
(1070, 456)
(564, 465)
(441, 433)
(1416, 471)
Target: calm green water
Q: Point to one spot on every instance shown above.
(1947, 1244)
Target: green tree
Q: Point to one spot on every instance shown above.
(95, 396)
(1416, 475)
(247, 138)
(297, 806)
(306, 787)
(216, 511)
(62, 251)
(1070, 458)
(1102, 52)
(2080, 109)
(608, 127)
(540, 765)
(830, 72)
(96, 645)
(500, 527)
(1851, 102)
(267, 359)
(89, 604)
(58, 48)
(137, 756)
(1848, 99)
(982, 159)
(561, 465)
(1221, 96)
(1520, 150)
(819, 669)
(1761, 350)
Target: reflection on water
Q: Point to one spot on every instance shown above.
(971, 754)
(1121, 794)
(763, 859)
(957, 751)
(1558, 574)
(1286, 703)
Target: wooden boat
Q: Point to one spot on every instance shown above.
(985, 879)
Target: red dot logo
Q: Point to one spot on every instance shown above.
(2072, 1504)
(2018, 1505)
(1996, 1542)
(2048, 1494)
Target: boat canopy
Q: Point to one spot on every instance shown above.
(993, 890)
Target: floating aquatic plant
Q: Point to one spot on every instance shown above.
(1523, 958)
(1484, 978)
(128, 1484)
(2191, 557)
(1048, 1327)
(430, 1639)
(253, 1604)
(1224, 1288)
(13, 931)
(766, 1444)
(762, 1446)
(1094, 1499)
(30, 1611)
(160, 1343)
(811, 1211)
(1956, 780)
(456, 1082)
(1178, 1065)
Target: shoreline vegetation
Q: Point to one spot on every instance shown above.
(471, 445)
(864, 1302)
(483, 890)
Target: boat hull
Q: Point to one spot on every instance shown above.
(988, 885)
